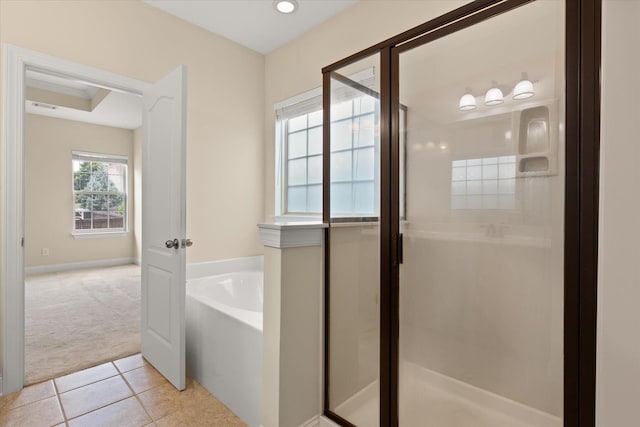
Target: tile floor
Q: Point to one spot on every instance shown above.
(126, 392)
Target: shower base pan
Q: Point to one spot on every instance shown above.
(432, 399)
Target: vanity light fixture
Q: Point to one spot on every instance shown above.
(285, 6)
(523, 89)
(467, 102)
(493, 96)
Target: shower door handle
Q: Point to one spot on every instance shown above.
(175, 244)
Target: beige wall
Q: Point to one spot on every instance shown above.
(296, 67)
(292, 353)
(225, 110)
(49, 200)
(225, 101)
(618, 370)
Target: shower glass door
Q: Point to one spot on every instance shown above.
(481, 284)
(352, 161)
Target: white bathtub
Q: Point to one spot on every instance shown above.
(224, 339)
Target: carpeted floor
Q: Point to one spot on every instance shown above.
(78, 319)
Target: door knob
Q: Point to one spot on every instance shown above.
(186, 243)
(175, 244)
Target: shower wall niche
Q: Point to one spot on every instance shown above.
(536, 135)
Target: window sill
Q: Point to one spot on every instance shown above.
(99, 235)
(298, 218)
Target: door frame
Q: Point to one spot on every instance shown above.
(16, 61)
(582, 139)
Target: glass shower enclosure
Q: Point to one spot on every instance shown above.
(446, 200)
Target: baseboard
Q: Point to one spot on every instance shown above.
(214, 268)
(40, 269)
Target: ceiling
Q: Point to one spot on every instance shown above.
(69, 99)
(253, 23)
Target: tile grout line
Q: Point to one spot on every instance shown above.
(64, 414)
(138, 398)
(101, 407)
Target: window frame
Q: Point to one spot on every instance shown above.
(282, 161)
(83, 156)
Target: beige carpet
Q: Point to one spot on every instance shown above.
(78, 319)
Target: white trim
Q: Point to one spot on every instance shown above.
(223, 266)
(98, 235)
(16, 62)
(317, 91)
(292, 234)
(52, 268)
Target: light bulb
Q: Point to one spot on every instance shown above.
(523, 90)
(467, 102)
(493, 97)
(285, 6)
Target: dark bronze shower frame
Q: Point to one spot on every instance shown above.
(582, 69)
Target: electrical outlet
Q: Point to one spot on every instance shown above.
(44, 252)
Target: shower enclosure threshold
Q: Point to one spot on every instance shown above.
(432, 399)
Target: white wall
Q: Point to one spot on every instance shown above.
(48, 196)
(618, 363)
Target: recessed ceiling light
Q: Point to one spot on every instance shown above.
(285, 6)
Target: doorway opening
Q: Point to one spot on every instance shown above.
(83, 150)
(17, 62)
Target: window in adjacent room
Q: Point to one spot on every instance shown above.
(99, 193)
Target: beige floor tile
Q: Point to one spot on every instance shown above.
(126, 413)
(27, 395)
(44, 412)
(94, 396)
(208, 412)
(85, 377)
(130, 363)
(166, 399)
(145, 378)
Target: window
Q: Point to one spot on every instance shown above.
(486, 183)
(354, 153)
(99, 193)
(303, 147)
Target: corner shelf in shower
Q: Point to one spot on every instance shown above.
(536, 136)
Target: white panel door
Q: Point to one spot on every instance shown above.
(164, 222)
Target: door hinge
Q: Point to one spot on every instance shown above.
(22, 242)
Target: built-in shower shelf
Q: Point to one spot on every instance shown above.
(536, 135)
